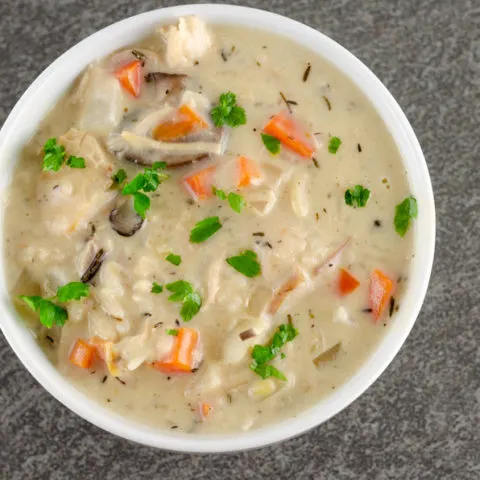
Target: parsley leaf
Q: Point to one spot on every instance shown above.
(334, 144)
(357, 196)
(172, 331)
(156, 288)
(119, 177)
(174, 259)
(262, 354)
(205, 229)
(236, 201)
(266, 370)
(54, 155)
(72, 291)
(246, 263)
(75, 162)
(227, 112)
(183, 292)
(191, 306)
(219, 193)
(272, 144)
(50, 313)
(405, 211)
(148, 181)
(141, 203)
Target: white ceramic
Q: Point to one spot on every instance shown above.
(46, 90)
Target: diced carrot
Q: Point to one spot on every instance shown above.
(248, 172)
(199, 184)
(284, 128)
(82, 354)
(104, 351)
(187, 122)
(205, 410)
(381, 289)
(181, 357)
(347, 283)
(130, 77)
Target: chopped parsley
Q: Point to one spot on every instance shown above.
(54, 157)
(236, 201)
(148, 181)
(246, 263)
(404, 212)
(272, 144)
(72, 291)
(184, 293)
(174, 259)
(357, 196)
(172, 331)
(50, 313)
(75, 162)
(263, 354)
(334, 144)
(119, 177)
(227, 112)
(156, 288)
(204, 229)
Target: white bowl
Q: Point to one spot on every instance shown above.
(52, 83)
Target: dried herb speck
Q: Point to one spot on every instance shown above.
(104, 379)
(120, 380)
(327, 101)
(359, 148)
(315, 162)
(392, 306)
(306, 73)
(50, 339)
(258, 234)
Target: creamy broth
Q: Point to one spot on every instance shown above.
(295, 220)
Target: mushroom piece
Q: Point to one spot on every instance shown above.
(125, 220)
(170, 86)
(146, 151)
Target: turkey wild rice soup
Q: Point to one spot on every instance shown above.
(210, 231)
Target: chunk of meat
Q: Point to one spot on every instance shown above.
(70, 198)
(297, 279)
(186, 42)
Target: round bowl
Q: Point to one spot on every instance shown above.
(54, 81)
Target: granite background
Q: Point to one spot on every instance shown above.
(421, 419)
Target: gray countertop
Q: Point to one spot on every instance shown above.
(421, 419)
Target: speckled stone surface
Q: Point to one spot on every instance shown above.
(421, 419)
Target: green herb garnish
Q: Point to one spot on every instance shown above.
(405, 211)
(148, 181)
(263, 354)
(75, 162)
(174, 259)
(227, 112)
(357, 196)
(205, 229)
(236, 201)
(50, 313)
(119, 177)
(172, 331)
(272, 144)
(54, 157)
(334, 144)
(183, 292)
(156, 288)
(72, 291)
(246, 263)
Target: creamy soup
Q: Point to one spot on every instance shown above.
(208, 232)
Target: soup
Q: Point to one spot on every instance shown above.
(210, 231)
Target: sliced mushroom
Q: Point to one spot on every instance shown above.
(124, 220)
(146, 151)
(170, 86)
(327, 355)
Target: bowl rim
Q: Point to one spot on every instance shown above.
(47, 89)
